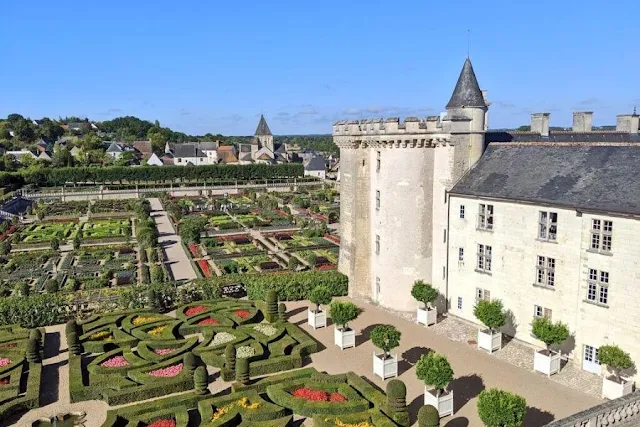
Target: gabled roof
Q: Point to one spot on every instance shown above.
(114, 148)
(601, 177)
(561, 136)
(263, 127)
(467, 92)
(154, 160)
(315, 164)
(187, 150)
(144, 147)
(16, 206)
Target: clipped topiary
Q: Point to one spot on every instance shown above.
(152, 298)
(201, 380)
(548, 332)
(272, 306)
(434, 370)
(242, 370)
(615, 359)
(428, 417)
(343, 312)
(386, 338)
(36, 335)
(282, 312)
(51, 286)
(71, 326)
(501, 408)
(230, 357)
(73, 343)
(491, 313)
(397, 402)
(190, 362)
(320, 295)
(33, 351)
(424, 293)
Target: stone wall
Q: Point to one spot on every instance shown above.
(623, 412)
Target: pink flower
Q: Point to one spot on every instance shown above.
(192, 311)
(163, 351)
(168, 372)
(5, 362)
(115, 362)
(163, 423)
(208, 321)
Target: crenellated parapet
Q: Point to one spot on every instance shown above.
(388, 126)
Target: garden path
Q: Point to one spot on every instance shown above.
(179, 264)
(473, 369)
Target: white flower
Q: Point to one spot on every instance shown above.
(245, 351)
(267, 330)
(222, 338)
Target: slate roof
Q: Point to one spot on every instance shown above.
(467, 92)
(582, 176)
(114, 148)
(263, 127)
(16, 206)
(144, 147)
(315, 164)
(187, 150)
(561, 136)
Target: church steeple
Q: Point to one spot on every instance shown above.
(467, 92)
(263, 127)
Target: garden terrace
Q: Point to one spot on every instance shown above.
(31, 268)
(320, 258)
(112, 206)
(19, 378)
(42, 233)
(107, 230)
(298, 240)
(230, 246)
(221, 223)
(93, 267)
(56, 209)
(249, 264)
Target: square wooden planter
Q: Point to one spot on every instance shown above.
(385, 368)
(317, 319)
(344, 338)
(612, 389)
(443, 403)
(427, 316)
(489, 341)
(547, 362)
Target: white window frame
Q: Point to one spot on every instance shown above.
(601, 235)
(460, 254)
(459, 303)
(462, 211)
(485, 217)
(484, 258)
(377, 244)
(377, 199)
(378, 162)
(539, 311)
(598, 287)
(546, 271)
(548, 226)
(483, 294)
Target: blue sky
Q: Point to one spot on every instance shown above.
(214, 66)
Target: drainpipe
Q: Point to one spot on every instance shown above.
(446, 279)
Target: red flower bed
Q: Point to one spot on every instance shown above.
(192, 311)
(204, 266)
(326, 267)
(9, 231)
(4, 381)
(314, 395)
(208, 321)
(243, 314)
(194, 249)
(333, 238)
(163, 423)
(10, 345)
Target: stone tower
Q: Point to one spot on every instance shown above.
(263, 136)
(394, 177)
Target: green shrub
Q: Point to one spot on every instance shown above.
(201, 380)
(548, 332)
(51, 286)
(36, 335)
(428, 416)
(343, 312)
(33, 351)
(272, 306)
(397, 402)
(33, 311)
(71, 326)
(230, 357)
(293, 263)
(501, 408)
(146, 277)
(143, 255)
(615, 358)
(154, 256)
(282, 312)
(242, 371)
(424, 293)
(74, 343)
(490, 313)
(190, 362)
(21, 289)
(386, 338)
(434, 370)
(320, 295)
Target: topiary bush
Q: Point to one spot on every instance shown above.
(501, 408)
(33, 351)
(320, 295)
(434, 370)
(242, 370)
(71, 326)
(343, 312)
(230, 357)
(51, 286)
(190, 362)
(272, 306)
(282, 312)
(424, 293)
(548, 332)
(397, 402)
(490, 313)
(74, 343)
(386, 338)
(201, 380)
(616, 359)
(428, 416)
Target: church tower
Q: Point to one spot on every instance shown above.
(263, 136)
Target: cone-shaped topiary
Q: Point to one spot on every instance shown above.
(152, 298)
(397, 402)
(36, 335)
(201, 380)
(190, 362)
(272, 306)
(71, 326)
(33, 351)
(230, 357)
(282, 312)
(73, 343)
(242, 370)
(428, 416)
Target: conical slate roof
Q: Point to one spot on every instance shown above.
(263, 127)
(467, 92)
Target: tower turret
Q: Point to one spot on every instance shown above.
(263, 136)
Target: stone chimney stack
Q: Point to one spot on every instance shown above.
(582, 121)
(540, 123)
(628, 123)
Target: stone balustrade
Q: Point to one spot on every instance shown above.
(623, 412)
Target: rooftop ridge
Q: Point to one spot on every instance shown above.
(566, 144)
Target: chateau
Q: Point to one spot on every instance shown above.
(546, 221)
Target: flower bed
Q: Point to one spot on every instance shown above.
(158, 330)
(314, 395)
(101, 336)
(163, 351)
(163, 423)
(243, 403)
(243, 314)
(333, 238)
(192, 311)
(4, 381)
(168, 372)
(222, 338)
(245, 351)
(265, 329)
(208, 321)
(141, 320)
(115, 362)
(194, 250)
(204, 266)
(5, 362)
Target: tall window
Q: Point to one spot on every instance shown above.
(545, 271)
(377, 199)
(485, 217)
(459, 303)
(548, 226)
(484, 258)
(483, 294)
(377, 161)
(377, 244)
(601, 234)
(598, 286)
(539, 311)
(460, 254)
(461, 211)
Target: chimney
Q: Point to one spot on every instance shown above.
(628, 123)
(540, 123)
(582, 121)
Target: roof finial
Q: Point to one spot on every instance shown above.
(634, 110)
(468, 43)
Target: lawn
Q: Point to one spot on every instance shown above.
(44, 232)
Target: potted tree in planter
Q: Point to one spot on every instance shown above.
(548, 361)
(426, 294)
(501, 408)
(318, 318)
(491, 314)
(386, 338)
(434, 370)
(342, 313)
(616, 360)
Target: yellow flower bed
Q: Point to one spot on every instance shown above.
(157, 330)
(243, 403)
(101, 336)
(141, 320)
(343, 424)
